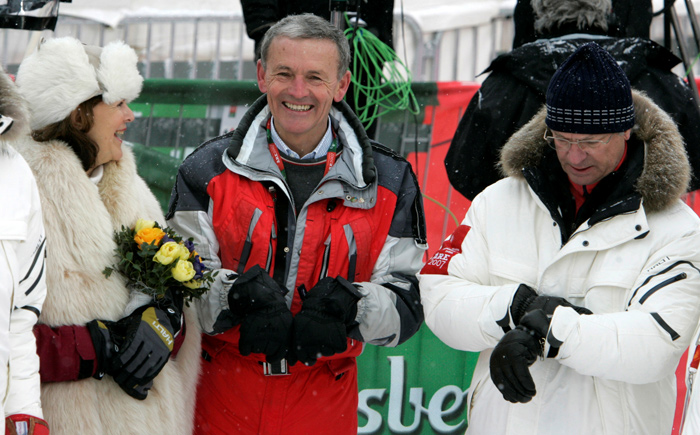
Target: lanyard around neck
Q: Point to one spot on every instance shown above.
(330, 156)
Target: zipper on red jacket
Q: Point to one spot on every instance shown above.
(326, 258)
(352, 252)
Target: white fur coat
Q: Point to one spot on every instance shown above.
(80, 219)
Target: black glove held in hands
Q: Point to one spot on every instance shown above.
(258, 303)
(144, 349)
(320, 328)
(252, 291)
(522, 299)
(510, 362)
(550, 303)
(538, 322)
(267, 331)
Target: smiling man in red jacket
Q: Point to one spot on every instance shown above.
(317, 234)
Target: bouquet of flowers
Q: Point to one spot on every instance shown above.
(153, 259)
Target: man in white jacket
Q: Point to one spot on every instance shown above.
(585, 257)
(22, 278)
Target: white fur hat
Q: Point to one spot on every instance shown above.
(62, 73)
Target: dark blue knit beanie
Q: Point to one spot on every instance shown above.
(589, 94)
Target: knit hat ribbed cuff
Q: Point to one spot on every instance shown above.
(590, 121)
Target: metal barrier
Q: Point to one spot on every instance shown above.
(195, 46)
(200, 46)
(215, 46)
(210, 45)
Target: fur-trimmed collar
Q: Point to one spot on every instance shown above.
(13, 106)
(666, 173)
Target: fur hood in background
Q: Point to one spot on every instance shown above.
(666, 173)
(12, 109)
(577, 14)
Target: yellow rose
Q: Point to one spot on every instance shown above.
(183, 271)
(193, 284)
(143, 223)
(169, 252)
(149, 235)
(184, 252)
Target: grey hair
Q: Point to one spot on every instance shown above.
(308, 26)
(585, 13)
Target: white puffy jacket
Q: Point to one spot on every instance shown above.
(635, 268)
(22, 284)
(22, 252)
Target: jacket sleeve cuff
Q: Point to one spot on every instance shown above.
(564, 322)
(214, 313)
(66, 353)
(498, 321)
(26, 424)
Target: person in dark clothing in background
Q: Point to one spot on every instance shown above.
(515, 89)
(260, 15)
(629, 18)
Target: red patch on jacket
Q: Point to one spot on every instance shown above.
(437, 265)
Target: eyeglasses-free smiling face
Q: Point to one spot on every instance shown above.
(593, 157)
(110, 122)
(301, 82)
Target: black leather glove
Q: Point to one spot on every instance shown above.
(257, 303)
(550, 303)
(538, 321)
(522, 299)
(510, 364)
(148, 342)
(327, 312)
(134, 349)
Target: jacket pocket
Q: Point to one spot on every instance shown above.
(247, 237)
(606, 288)
(350, 250)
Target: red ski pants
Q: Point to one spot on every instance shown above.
(235, 397)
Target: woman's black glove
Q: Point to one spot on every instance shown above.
(327, 313)
(257, 303)
(134, 349)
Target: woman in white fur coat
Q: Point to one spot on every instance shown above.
(77, 96)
